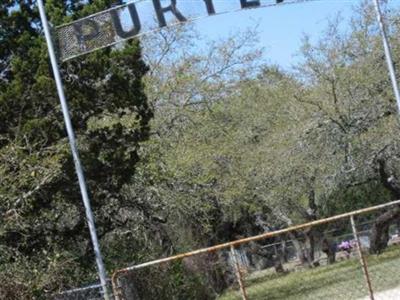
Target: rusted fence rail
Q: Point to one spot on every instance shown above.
(244, 278)
(326, 258)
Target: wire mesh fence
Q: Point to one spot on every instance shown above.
(383, 265)
(90, 292)
(317, 263)
(350, 256)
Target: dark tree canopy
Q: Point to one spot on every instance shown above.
(42, 217)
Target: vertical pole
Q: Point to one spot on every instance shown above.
(116, 286)
(388, 53)
(362, 258)
(238, 273)
(74, 150)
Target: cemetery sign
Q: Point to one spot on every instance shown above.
(126, 21)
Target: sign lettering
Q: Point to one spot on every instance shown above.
(129, 20)
(160, 11)
(247, 3)
(119, 30)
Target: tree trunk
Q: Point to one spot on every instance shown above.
(380, 230)
(398, 226)
(300, 250)
(329, 249)
(278, 260)
(285, 251)
(310, 242)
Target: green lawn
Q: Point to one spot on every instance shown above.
(343, 280)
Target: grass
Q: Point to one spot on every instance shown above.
(342, 280)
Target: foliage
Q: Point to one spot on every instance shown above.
(297, 144)
(236, 147)
(43, 225)
(274, 148)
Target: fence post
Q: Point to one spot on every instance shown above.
(362, 258)
(238, 273)
(116, 286)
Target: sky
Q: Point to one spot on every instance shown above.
(281, 27)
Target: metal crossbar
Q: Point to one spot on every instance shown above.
(257, 237)
(231, 245)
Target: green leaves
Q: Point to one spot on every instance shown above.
(43, 220)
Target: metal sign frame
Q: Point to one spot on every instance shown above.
(74, 149)
(109, 27)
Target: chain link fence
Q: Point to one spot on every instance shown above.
(350, 256)
(90, 292)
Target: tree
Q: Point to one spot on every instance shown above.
(43, 225)
(183, 84)
(355, 115)
(289, 147)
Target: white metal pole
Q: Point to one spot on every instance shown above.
(238, 272)
(74, 150)
(388, 53)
